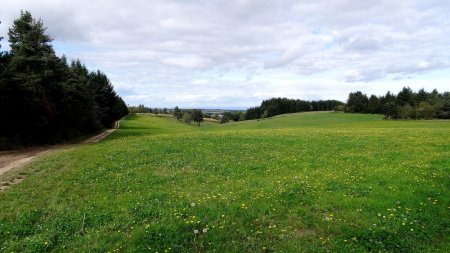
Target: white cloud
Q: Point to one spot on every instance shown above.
(233, 53)
(188, 61)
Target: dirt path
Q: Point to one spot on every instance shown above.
(14, 159)
(103, 135)
(10, 160)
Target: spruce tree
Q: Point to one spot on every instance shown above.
(29, 88)
(43, 98)
(406, 96)
(357, 102)
(373, 105)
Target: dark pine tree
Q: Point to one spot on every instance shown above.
(406, 96)
(79, 107)
(43, 98)
(29, 85)
(357, 102)
(420, 96)
(373, 105)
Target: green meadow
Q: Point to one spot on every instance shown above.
(307, 182)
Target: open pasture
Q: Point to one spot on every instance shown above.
(308, 182)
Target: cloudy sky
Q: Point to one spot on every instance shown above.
(235, 53)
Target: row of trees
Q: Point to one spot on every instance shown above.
(43, 98)
(407, 104)
(143, 109)
(188, 115)
(277, 106)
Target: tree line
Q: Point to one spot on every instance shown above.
(268, 108)
(143, 109)
(277, 106)
(407, 104)
(46, 99)
(190, 115)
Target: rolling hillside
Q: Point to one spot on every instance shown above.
(308, 182)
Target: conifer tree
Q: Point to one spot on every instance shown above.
(43, 98)
(177, 113)
(28, 88)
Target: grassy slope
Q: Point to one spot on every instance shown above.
(302, 182)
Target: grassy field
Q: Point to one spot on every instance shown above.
(311, 182)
